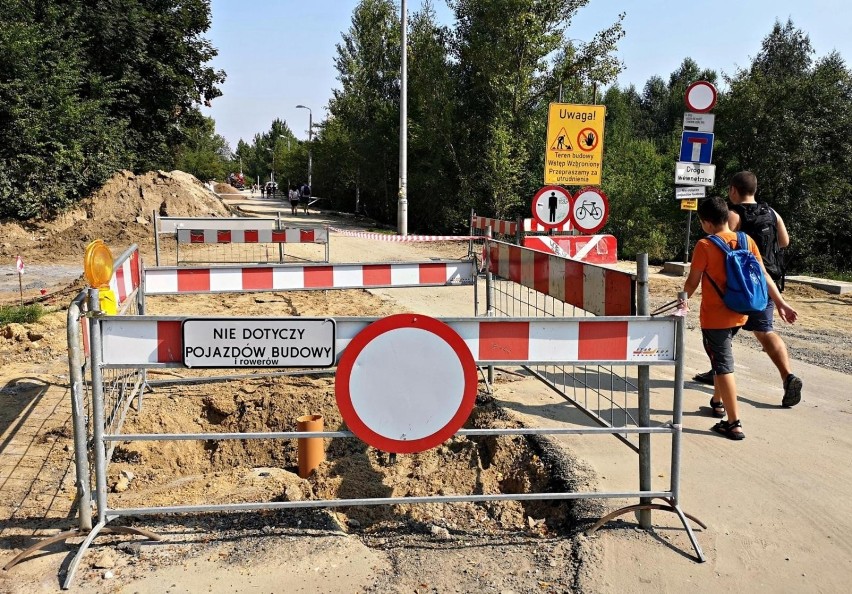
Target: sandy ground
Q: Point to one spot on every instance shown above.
(774, 503)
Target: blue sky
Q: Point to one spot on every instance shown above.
(280, 53)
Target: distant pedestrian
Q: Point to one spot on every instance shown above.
(262, 191)
(305, 195)
(767, 229)
(293, 196)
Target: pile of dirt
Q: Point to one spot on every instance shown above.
(226, 189)
(240, 471)
(120, 213)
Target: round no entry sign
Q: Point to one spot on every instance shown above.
(551, 206)
(700, 96)
(406, 383)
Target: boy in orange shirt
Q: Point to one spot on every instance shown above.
(718, 323)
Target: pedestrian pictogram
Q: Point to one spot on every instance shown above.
(551, 206)
(587, 140)
(561, 142)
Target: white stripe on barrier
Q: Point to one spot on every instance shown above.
(218, 279)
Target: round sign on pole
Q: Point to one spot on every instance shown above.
(591, 210)
(551, 206)
(700, 96)
(406, 383)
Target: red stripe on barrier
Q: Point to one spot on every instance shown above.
(193, 280)
(119, 281)
(257, 278)
(196, 237)
(574, 283)
(169, 341)
(376, 275)
(306, 236)
(504, 341)
(618, 295)
(541, 273)
(319, 276)
(251, 236)
(602, 341)
(433, 273)
(134, 269)
(223, 236)
(279, 237)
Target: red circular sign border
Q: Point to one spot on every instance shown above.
(361, 340)
(597, 140)
(605, 216)
(692, 86)
(570, 207)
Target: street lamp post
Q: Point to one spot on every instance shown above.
(272, 177)
(310, 137)
(402, 203)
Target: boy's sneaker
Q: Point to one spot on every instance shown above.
(792, 391)
(705, 378)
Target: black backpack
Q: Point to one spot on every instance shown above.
(761, 223)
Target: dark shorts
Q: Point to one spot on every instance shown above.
(717, 344)
(761, 322)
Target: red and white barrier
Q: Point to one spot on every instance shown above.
(230, 279)
(287, 235)
(531, 225)
(126, 277)
(595, 289)
(400, 238)
(142, 342)
(596, 249)
(497, 226)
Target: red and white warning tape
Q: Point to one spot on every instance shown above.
(401, 238)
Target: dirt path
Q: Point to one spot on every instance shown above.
(774, 503)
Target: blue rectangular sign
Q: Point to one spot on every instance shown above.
(696, 147)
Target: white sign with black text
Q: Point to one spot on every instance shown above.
(694, 174)
(698, 122)
(690, 192)
(258, 342)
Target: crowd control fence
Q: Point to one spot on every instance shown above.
(118, 350)
(180, 241)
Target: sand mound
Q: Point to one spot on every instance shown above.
(120, 213)
(225, 189)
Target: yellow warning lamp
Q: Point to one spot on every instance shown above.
(97, 270)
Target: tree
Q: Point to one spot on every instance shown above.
(505, 76)
(87, 88)
(153, 56)
(205, 154)
(789, 120)
(367, 104)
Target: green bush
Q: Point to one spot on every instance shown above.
(21, 314)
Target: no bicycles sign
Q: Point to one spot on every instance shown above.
(591, 210)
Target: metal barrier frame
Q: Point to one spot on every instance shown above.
(105, 434)
(170, 225)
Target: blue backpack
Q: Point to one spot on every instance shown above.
(746, 291)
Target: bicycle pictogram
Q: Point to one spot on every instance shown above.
(590, 208)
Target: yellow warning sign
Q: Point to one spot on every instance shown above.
(574, 153)
(689, 204)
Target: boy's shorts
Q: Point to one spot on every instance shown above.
(761, 322)
(717, 344)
